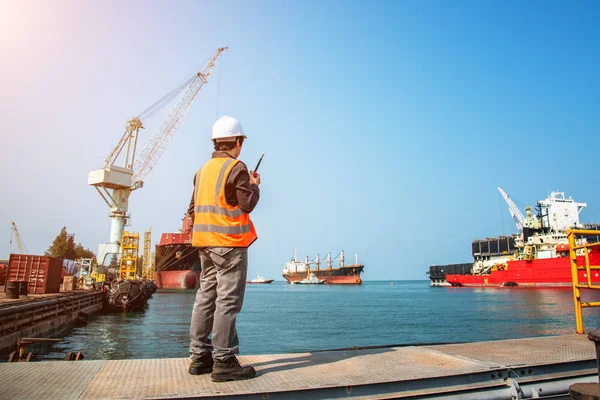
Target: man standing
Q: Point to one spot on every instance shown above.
(224, 195)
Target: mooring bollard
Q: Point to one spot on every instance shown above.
(588, 391)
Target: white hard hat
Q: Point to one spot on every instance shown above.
(227, 127)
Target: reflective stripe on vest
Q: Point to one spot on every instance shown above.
(216, 223)
(229, 230)
(218, 210)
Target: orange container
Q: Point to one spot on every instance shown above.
(42, 272)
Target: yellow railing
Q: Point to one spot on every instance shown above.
(575, 268)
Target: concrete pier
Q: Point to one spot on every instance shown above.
(506, 369)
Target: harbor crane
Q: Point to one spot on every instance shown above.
(124, 173)
(18, 239)
(514, 210)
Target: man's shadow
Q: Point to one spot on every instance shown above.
(315, 358)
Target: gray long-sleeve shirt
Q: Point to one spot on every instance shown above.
(238, 190)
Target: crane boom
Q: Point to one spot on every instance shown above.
(514, 210)
(20, 244)
(163, 135)
(124, 178)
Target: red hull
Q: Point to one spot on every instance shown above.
(550, 272)
(178, 279)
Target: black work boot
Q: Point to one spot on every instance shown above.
(231, 370)
(202, 366)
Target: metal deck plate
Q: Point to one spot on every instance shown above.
(46, 380)
(277, 373)
(375, 372)
(532, 351)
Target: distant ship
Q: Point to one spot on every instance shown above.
(260, 279)
(536, 257)
(295, 271)
(177, 263)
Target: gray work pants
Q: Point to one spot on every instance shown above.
(218, 302)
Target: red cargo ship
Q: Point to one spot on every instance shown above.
(551, 272)
(296, 271)
(177, 264)
(541, 258)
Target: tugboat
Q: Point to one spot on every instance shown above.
(310, 280)
(129, 294)
(260, 279)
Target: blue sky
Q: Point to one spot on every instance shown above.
(387, 127)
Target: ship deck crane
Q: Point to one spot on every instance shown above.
(128, 176)
(514, 210)
(18, 239)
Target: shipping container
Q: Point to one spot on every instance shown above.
(440, 271)
(42, 273)
(494, 246)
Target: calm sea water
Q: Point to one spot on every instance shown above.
(281, 318)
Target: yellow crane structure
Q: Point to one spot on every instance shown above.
(130, 245)
(148, 256)
(18, 239)
(123, 172)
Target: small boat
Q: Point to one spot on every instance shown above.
(260, 279)
(311, 280)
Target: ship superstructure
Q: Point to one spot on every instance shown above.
(296, 271)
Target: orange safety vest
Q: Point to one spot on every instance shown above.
(216, 223)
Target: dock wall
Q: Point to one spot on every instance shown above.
(44, 317)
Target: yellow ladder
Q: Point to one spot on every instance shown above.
(575, 268)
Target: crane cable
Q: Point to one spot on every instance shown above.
(220, 72)
(166, 99)
(173, 93)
